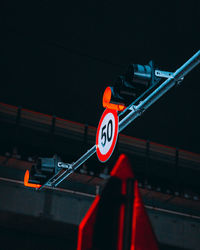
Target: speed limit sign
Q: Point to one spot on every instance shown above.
(107, 133)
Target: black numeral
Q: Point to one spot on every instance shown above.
(107, 136)
(103, 135)
(109, 130)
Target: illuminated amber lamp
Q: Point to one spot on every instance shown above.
(27, 184)
(107, 102)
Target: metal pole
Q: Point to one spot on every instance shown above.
(75, 165)
(138, 110)
(160, 91)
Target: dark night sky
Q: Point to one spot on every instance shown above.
(57, 57)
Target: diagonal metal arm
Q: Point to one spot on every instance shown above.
(63, 174)
(75, 165)
(137, 111)
(160, 91)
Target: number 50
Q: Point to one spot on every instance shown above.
(106, 135)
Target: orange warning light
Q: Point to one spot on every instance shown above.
(27, 184)
(107, 95)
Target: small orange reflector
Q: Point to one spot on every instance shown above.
(27, 184)
(107, 98)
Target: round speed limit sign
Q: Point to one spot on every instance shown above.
(107, 133)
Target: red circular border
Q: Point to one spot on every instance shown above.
(101, 157)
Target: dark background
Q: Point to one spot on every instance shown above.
(57, 57)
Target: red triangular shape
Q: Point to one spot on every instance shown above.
(143, 237)
(122, 168)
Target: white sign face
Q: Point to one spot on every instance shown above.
(107, 133)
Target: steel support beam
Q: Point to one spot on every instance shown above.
(138, 110)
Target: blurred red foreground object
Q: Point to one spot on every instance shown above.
(117, 218)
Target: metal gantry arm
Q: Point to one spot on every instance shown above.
(161, 90)
(136, 110)
(67, 169)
